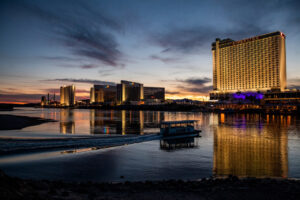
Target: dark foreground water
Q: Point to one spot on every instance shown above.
(236, 144)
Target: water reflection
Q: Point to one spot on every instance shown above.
(102, 122)
(238, 144)
(182, 143)
(123, 122)
(246, 146)
(67, 121)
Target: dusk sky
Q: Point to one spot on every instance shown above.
(166, 43)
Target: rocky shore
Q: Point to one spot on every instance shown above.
(228, 188)
(13, 122)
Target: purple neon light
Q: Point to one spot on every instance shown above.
(248, 94)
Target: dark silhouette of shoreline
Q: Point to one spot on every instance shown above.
(208, 188)
(13, 122)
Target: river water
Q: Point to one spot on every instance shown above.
(231, 144)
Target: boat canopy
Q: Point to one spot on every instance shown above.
(173, 127)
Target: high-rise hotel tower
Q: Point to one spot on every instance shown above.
(67, 95)
(254, 64)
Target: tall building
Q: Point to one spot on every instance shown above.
(129, 91)
(67, 95)
(43, 101)
(253, 64)
(92, 95)
(155, 93)
(103, 94)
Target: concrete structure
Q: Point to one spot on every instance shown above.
(254, 64)
(128, 91)
(103, 94)
(67, 95)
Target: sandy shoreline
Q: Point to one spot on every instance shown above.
(229, 188)
(13, 122)
(15, 146)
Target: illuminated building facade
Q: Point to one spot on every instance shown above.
(254, 64)
(128, 91)
(103, 94)
(43, 101)
(156, 93)
(67, 95)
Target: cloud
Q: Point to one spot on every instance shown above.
(20, 97)
(172, 92)
(85, 31)
(90, 81)
(105, 72)
(59, 58)
(189, 40)
(293, 83)
(200, 89)
(165, 59)
(35, 98)
(242, 19)
(196, 81)
(183, 40)
(57, 90)
(90, 66)
(195, 85)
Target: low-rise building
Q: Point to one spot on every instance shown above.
(154, 93)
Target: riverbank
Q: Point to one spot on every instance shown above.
(13, 122)
(229, 188)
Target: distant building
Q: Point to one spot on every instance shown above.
(129, 92)
(92, 95)
(103, 94)
(249, 65)
(67, 95)
(43, 101)
(154, 93)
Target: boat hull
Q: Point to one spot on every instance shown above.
(181, 135)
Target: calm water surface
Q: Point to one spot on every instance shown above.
(237, 144)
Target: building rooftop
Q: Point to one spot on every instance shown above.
(228, 42)
(130, 83)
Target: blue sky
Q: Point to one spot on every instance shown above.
(167, 43)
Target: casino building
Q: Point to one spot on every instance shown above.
(67, 95)
(154, 93)
(128, 91)
(103, 94)
(256, 64)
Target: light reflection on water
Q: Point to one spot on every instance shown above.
(231, 144)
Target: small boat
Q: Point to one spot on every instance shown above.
(178, 129)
